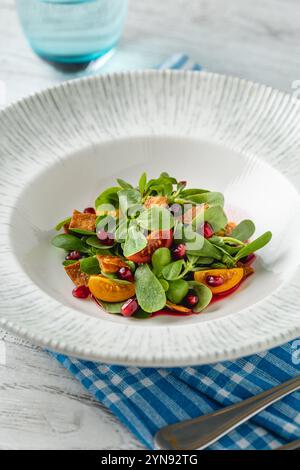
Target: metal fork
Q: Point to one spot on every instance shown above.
(201, 432)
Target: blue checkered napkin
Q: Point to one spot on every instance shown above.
(147, 399)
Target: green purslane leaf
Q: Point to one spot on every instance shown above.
(90, 265)
(244, 230)
(81, 232)
(135, 241)
(165, 284)
(149, 291)
(143, 183)
(160, 258)
(141, 314)
(203, 261)
(196, 244)
(211, 198)
(108, 197)
(113, 308)
(96, 243)
(192, 192)
(68, 262)
(204, 294)
(162, 186)
(69, 242)
(156, 218)
(123, 184)
(173, 270)
(60, 225)
(216, 217)
(177, 290)
(256, 245)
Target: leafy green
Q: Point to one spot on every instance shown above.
(211, 198)
(69, 261)
(196, 244)
(90, 265)
(96, 243)
(156, 218)
(192, 192)
(81, 232)
(244, 230)
(113, 308)
(123, 184)
(135, 241)
(165, 284)
(108, 197)
(177, 290)
(216, 217)
(60, 225)
(172, 271)
(149, 291)
(69, 242)
(160, 258)
(204, 294)
(143, 183)
(141, 314)
(162, 186)
(257, 244)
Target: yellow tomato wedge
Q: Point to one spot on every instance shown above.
(220, 280)
(110, 290)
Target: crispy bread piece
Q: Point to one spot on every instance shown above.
(75, 274)
(110, 264)
(83, 221)
(161, 201)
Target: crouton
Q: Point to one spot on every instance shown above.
(74, 272)
(83, 221)
(161, 201)
(110, 264)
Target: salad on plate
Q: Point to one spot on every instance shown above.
(157, 248)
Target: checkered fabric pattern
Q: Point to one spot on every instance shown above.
(147, 399)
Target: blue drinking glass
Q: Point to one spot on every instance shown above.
(72, 31)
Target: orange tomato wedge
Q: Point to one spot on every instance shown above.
(231, 277)
(178, 308)
(110, 290)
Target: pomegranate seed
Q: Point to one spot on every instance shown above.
(129, 308)
(191, 299)
(81, 292)
(179, 251)
(125, 274)
(73, 255)
(106, 238)
(89, 210)
(207, 230)
(214, 281)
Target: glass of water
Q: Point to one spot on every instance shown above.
(72, 31)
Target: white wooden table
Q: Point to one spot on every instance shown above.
(41, 405)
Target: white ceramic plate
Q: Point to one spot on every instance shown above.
(60, 148)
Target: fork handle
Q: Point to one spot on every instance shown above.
(201, 432)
